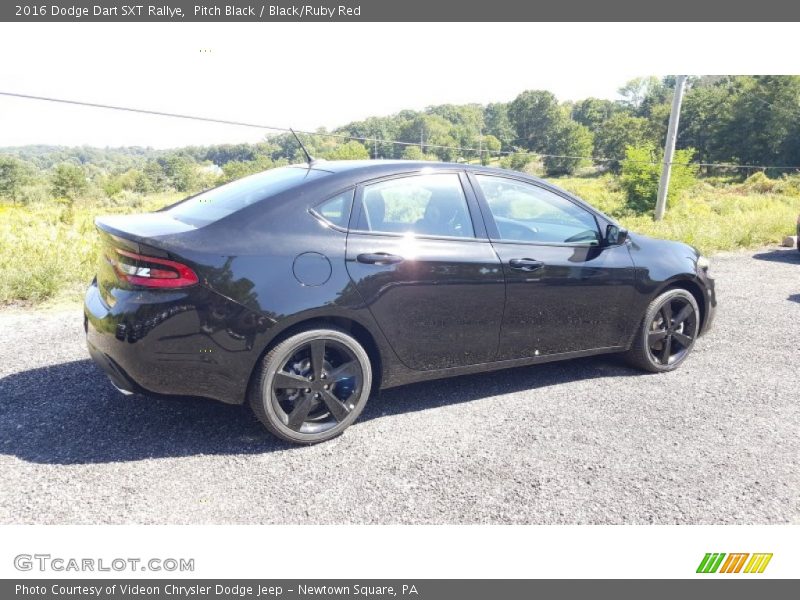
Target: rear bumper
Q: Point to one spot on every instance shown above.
(119, 378)
(171, 344)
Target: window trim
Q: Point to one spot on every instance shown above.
(312, 210)
(473, 211)
(491, 225)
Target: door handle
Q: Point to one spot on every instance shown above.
(379, 258)
(525, 264)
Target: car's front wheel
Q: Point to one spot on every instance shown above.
(667, 333)
(312, 385)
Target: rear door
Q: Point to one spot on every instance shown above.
(565, 292)
(418, 254)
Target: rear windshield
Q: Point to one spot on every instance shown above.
(220, 202)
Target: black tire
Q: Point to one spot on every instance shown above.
(660, 347)
(336, 388)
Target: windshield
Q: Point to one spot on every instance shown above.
(222, 201)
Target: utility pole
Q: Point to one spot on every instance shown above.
(669, 146)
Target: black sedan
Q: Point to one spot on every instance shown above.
(302, 289)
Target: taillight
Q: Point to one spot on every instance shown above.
(149, 271)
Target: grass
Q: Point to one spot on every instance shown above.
(48, 250)
(712, 217)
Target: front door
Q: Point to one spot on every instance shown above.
(423, 266)
(565, 292)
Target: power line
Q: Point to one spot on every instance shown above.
(478, 151)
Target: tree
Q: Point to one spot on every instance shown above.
(68, 181)
(535, 115)
(492, 145)
(434, 133)
(763, 125)
(618, 133)
(181, 172)
(14, 174)
(636, 90)
(498, 124)
(352, 150)
(374, 130)
(466, 121)
(151, 179)
(594, 112)
(569, 144)
(706, 112)
(236, 169)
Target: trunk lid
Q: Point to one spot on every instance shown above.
(121, 236)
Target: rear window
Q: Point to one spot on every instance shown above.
(220, 202)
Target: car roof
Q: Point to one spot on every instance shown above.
(379, 167)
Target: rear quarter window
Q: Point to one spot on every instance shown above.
(227, 199)
(336, 210)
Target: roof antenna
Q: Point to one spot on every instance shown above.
(308, 156)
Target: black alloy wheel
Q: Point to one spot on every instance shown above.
(668, 332)
(312, 386)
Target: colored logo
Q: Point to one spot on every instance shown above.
(734, 563)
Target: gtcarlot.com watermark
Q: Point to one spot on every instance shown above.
(60, 564)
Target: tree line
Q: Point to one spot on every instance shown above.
(751, 120)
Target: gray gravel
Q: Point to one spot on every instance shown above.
(587, 441)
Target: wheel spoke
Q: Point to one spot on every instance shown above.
(337, 408)
(666, 312)
(666, 350)
(656, 336)
(684, 314)
(285, 381)
(343, 371)
(683, 339)
(317, 357)
(300, 411)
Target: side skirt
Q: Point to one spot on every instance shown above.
(415, 376)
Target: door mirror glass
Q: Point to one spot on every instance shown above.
(615, 235)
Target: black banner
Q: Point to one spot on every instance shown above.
(389, 589)
(405, 10)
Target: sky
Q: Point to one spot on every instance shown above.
(303, 75)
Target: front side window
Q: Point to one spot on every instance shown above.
(525, 212)
(421, 204)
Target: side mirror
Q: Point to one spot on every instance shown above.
(615, 236)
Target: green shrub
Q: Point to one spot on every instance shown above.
(641, 171)
(517, 161)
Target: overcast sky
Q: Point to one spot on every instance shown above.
(303, 75)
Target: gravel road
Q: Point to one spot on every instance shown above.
(587, 441)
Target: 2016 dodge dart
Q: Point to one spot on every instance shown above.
(302, 289)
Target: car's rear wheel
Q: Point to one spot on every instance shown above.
(667, 333)
(312, 386)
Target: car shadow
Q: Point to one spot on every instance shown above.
(70, 414)
(794, 298)
(785, 255)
